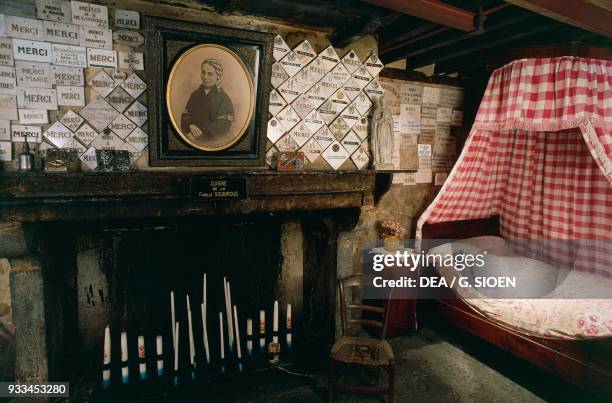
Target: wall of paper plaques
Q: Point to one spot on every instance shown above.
(72, 78)
(423, 117)
(321, 104)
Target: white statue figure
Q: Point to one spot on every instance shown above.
(382, 136)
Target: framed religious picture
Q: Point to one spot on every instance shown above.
(208, 94)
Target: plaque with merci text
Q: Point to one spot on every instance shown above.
(8, 83)
(101, 58)
(54, 10)
(33, 51)
(94, 37)
(127, 19)
(33, 116)
(37, 98)
(72, 120)
(20, 132)
(6, 52)
(131, 60)
(126, 37)
(61, 33)
(213, 189)
(64, 75)
(5, 130)
(34, 75)
(70, 96)
(91, 15)
(69, 55)
(24, 28)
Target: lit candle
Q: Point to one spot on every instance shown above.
(160, 355)
(288, 335)
(238, 349)
(106, 359)
(230, 324)
(173, 318)
(262, 331)
(125, 370)
(249, 327)
(205, 333)
(221, 341)
(142, 363)
(275, 323)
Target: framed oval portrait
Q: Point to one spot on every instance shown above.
(210, 97)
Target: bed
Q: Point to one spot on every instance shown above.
(558, 336)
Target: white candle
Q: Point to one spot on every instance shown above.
(221, 334)
(238, 350)
(125, 370)
(142, 365)
(262, 331)
(160, 353)
(288, 324)
(275, 318)
(230, 324)
(190, 329)
(205, 333)
(173, 318)
(176, 346)
(106, 359)
(249, 326)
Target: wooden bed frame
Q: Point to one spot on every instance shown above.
(586, 363)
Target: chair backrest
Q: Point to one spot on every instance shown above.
(380, 314)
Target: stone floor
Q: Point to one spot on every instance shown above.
(442, 365)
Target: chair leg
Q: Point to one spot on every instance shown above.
(331, 379)
(391, 381)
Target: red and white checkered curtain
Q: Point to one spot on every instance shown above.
(539, 156)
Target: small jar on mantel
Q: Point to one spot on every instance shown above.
(391, 234)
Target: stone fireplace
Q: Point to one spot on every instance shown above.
(87, 250)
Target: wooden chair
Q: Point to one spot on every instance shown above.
(361, 351)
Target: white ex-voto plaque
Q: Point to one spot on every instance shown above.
(374, 89)
(324, 137)
(88, 14)
(71, 120)
(302, 106)
(272, 157)
(312, 150)
(54, 10)
(63, 75)
(362, 103)
(361, 128)
(20, 132)
(33, 116)
(2, 26)
(138, 139)
(329, 58)
(286, 143)
(58, 134)
(70, 96)
(279, 75)
(280, 48)
(134, 85)
(61, 33)
(288, 117)
(8, 107)
(335, 155)
(304, 52)
(101, 58)
(351, 61)
(300, 133)
(339, 127)
(350, 115)
(94, 37)
(373, 64)
(74, 143)
(315, 95)
(313, 121)
(6, 52)
(291, 64)
(99, 113)
(360, 158)
(137, 113)
(86, 134)
(69, 55)
(24, 28)
(5, 130)
(351, 142)
(6, 150)
(317, 70)
(127, 19)
(37, 98)
(119, 99)
(351, 88)
(327, 111)
(33, 51)
(8, 82)
(89, 158)
(108, 141)
(102, 83)
(275, 130)
(340, 100)
(277, 103)
(32, 74)
(129, 38)
(118, 76)
(290, 89)
(122, 126)
(362, 77)
(131, 60)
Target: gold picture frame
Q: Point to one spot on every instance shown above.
(213, 111)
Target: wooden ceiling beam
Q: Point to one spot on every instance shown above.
(432, 10)
(579, 13)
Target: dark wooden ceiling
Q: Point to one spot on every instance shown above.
(498, 27)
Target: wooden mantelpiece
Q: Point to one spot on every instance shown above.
(28, 197)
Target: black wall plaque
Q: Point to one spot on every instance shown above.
(212, 189)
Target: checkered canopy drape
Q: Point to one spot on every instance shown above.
(539, 156)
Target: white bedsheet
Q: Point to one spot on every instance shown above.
(557, 313)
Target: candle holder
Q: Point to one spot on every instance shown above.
(274, 352)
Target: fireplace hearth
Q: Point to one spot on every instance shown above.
(91, 250)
